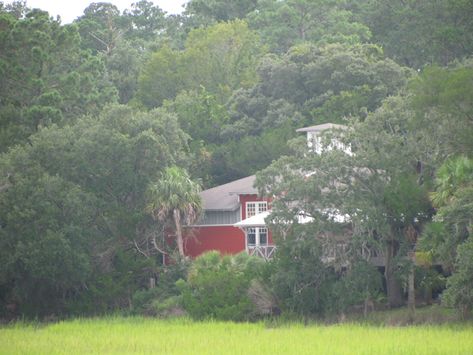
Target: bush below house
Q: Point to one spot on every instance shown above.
(217, 287)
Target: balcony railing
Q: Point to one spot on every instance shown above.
(267, 252)
(263, 251)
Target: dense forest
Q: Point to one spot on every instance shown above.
(101, 118)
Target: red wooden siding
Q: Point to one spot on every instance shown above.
(225, 239)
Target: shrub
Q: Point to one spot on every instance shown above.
(362, 283)
(217, 287)
(429, 282)
(156, 301)
(299, 279)
(170, 307)
(459, 292)
(262, 298)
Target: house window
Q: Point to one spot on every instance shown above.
(263, 236)
(336, 250)
(254, 208)
(257, 237)
(251, 236)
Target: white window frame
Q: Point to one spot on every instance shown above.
(257, 231)
(259, 207)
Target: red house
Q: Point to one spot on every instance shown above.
(233, 221)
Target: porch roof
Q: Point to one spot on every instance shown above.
(259, 219)
(254, 221)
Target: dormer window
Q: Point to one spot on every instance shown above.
(254, 208)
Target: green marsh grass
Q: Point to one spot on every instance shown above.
(151, 336)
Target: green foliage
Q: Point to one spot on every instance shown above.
(175, 197)
(223, 57)
(217, 286)
(442, 99)
(361, 282)
(455, 174)
(123, 66)
(438, 242)
(428, 280)
(239, 158)
(146, 21)
(252, 113)
(283, 24)
(416, 33)
(220, 10)
(315, 78)
(121, 40)
(173, 191)
(406, 201)
(165, 296)
(449, 236)
(200, 114)
(45, 239)
(111, 288)
(453, 198)
(298, 89)
(99, 27)
(459, 293)
(46, 77)
(220, 58)
(299, 279)
(73, 218)
(161, 77)
(376, 187)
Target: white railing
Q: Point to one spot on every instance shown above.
(374, 256)
(266, 252)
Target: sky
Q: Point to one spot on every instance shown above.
(70, 9)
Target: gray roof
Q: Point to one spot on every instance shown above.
(225, 197)
(321, 127)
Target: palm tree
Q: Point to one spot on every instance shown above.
(454, 174)
(175, 197)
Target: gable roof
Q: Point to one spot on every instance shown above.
(321, 127)
(225, 197)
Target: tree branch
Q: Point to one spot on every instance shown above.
(139, 250)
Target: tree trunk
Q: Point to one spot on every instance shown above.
(368, 305)
(393, 286)
(179, 238)
(411, 296)
(428, 295)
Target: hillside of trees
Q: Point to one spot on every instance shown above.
(97, 116)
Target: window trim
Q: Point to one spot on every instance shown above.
(257, 232)
(257, 206)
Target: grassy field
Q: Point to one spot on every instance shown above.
(149, 336)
